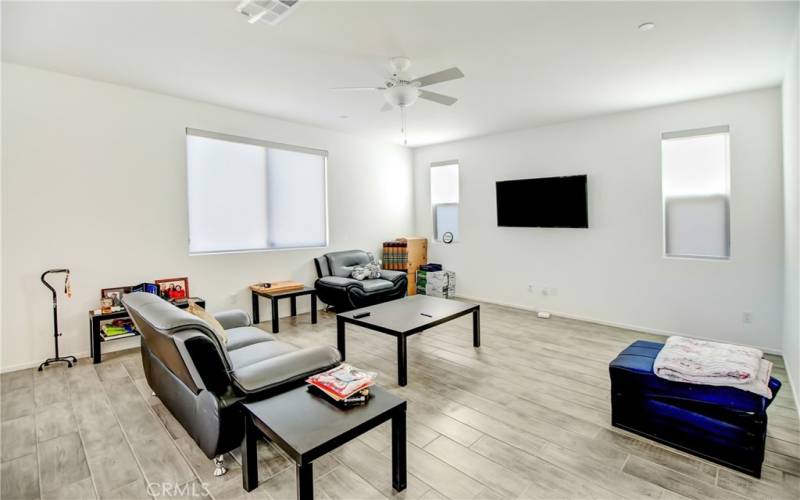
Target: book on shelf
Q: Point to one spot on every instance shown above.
(117, 329)
(395, 255)
(114, 335)
(344, 383)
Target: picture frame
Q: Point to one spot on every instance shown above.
(115, 294)
(147, 288)
(173, 289)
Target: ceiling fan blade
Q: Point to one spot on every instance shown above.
(439, 77)
(358, 88)
(440, 98)
(387, 107)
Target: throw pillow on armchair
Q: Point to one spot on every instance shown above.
(367, 271)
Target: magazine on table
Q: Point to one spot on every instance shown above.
(343, 381)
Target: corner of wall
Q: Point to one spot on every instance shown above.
(790, 96)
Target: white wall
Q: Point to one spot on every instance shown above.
(614, 271)
(94, 179)
(791, 203)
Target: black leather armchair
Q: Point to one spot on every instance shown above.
(200, 379)
(335, 287)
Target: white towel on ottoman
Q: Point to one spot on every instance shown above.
(712, 363)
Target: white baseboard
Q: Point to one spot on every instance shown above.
(35, 364)
(130, 343)
(120, 345)
(640, 328)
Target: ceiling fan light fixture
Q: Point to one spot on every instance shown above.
(402, 91)
(401, 95)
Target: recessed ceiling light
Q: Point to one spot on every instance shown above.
(647, 26)
(343, 117)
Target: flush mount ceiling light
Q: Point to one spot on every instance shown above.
(268, 11)
(647, 26)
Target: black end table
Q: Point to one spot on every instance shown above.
(404, 317)
(96, 317)
(306, 427)
(292, 296)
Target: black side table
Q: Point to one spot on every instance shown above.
(307, 427)
(94, 326)
(292, 296)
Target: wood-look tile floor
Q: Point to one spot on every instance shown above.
(524, 416)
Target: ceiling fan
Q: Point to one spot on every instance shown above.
(401, 90)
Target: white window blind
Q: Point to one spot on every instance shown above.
(445, 199)
(249, 195)
(695, 183)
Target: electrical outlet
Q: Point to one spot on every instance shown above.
(553, 291)
(232, 298)
(530, 288)
(747, 317)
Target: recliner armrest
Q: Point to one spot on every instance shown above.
(339, 282)
(285, 369)
(235, 318)
(393, 276)
(202, 359)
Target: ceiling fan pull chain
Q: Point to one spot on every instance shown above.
(403, 125)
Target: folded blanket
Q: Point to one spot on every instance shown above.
(712, 363)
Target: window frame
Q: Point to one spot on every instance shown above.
(698, 132)
(266, 144)
(434, 231)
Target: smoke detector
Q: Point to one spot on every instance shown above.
(267, 11)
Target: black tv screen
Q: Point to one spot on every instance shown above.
(544, 202)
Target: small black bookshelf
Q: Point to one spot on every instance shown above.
(96, 317)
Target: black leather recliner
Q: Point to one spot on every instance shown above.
(335, 287)
(200, 379)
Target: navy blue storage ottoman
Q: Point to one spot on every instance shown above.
(721, 424)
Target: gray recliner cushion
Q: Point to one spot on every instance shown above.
(376, 285)
(268, 364)
(233, 319)
(245, 336)
(342, 263)
(393, 276)
(339, 281)
(255, 353)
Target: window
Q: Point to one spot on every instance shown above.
(249, 195)
(444, 198)
(695, 186)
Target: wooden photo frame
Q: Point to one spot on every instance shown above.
(115, 294)
(173, 289)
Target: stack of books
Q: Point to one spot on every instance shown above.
(395, 255)
(117, 329)
(344, 385)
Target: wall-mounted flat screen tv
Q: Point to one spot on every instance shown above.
(543, 202)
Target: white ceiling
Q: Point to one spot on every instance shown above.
(526, 63)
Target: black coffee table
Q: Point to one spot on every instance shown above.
(405, 317)
(307, 427)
